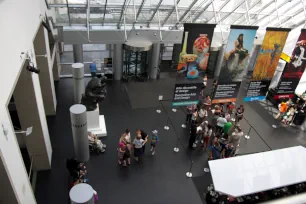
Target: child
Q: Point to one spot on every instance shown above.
(121, 151)
(154, 141)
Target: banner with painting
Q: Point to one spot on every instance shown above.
(293, 70)
(235, 63)
(266, 63)
(195, 49)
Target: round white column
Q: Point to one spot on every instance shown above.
(81, 194)
(79, 132)
(78, 81)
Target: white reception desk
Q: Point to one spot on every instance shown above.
(244, 175)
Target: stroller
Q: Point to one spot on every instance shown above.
(97, 147)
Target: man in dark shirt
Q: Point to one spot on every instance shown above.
(144, 136)
(193, 135)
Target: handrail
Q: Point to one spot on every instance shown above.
(31, 167)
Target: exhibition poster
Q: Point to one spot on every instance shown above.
(186, 94)
(195, 49)
(293, 70)
(266, 63)
(235, 63)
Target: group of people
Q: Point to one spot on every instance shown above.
(95, 144)
(219, 134)
(78, 173)
(138, 146)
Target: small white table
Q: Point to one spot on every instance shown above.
(244, 175)
(81, 194)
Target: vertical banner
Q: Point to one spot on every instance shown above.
(195, 49)
(235, 63)
(266, 63)
(293, 70)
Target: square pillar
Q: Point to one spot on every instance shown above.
(44, 63)
(56, 65)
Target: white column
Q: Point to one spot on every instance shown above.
(78, 81)
(79, 132)
(219, 61)
(117, 61)
(31, 113)
(78, 52)
(155, 60)
(44, 63)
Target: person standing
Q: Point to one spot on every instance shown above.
(220, 123)
(93, 69)
(234, 139)
(207, 136)
(144, 136)
(121, 151)
(190, 110)
(227, 128)
(154, 141)
(194, 116)
(138, 144)
(193, 135)
(239, 113)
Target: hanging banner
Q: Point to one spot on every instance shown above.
(235, 63)
(266, 63)
(186, 94)
(293, 70)
(195, 49)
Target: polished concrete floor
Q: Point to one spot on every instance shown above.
(157, 179)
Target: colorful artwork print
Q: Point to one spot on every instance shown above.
(236, 55)
(195, 49)
(269, 55)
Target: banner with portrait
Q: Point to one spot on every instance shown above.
(266, 63)
(235, 63)
(293, 70)
(196, 43)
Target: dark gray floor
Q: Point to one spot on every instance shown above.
(158, 179)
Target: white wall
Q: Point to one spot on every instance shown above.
(19, 21)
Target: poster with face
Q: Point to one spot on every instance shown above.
(266, 63)
(235, 63)
(195, 49)
(293, 70)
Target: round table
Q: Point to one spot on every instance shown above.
(82, 194)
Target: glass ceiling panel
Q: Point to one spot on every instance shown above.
(77, 1)
(262, 12)
(230, 6)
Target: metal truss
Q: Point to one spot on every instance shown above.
(156, 9)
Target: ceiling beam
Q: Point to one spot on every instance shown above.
(271, 12)
(201, 12)
(152, 17)
(285, 13)
(68, 12)
(140, 8)
(249, 10)
(222, 6)
(170, 13)
(186, 11)
(227, 15)
(104, 12)
(121, 14)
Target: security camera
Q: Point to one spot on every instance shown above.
(31, 68)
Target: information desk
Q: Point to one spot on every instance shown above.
(244, 175)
